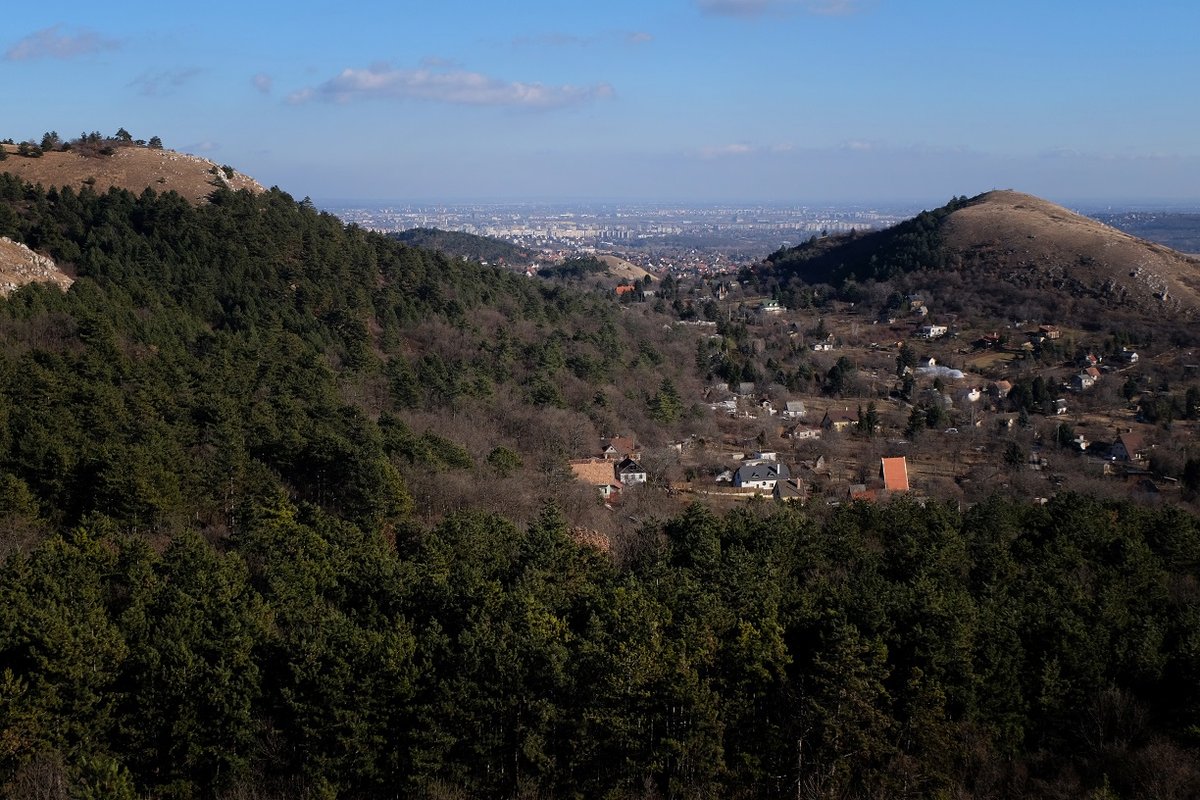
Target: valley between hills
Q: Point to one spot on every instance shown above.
(290, 508)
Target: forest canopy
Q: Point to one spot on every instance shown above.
(220, 580)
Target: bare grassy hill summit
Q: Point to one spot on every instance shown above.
(1006, 248)
(132, 168)
(1040, 244)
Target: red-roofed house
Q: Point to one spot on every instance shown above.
(599, 473)
(1129, 446)
(895, 473)
(619, 448)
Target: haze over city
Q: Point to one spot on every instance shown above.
(688, 100)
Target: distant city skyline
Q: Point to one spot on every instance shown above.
(694, 101)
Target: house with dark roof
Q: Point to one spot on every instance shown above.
(839, 419)
(790, 491)
(794, 409)
(631, 472)
(762, 475)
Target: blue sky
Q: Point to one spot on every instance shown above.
(803, 101)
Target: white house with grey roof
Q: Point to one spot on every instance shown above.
(760, 476)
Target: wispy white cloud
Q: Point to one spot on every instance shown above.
(263, 82)
(560, 39)
(164, 82)
(446, 85)
(726, 150)
(758, 8)
(58, 41)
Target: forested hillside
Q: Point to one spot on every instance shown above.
(889, 652)
(457, 244)
(212, 355)
(269, 492)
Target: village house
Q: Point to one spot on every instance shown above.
(619, 448)
(804, 431)
(988, 341)
(599, 473)
(1129, 446)
(859, 491)
(790, 491)
(630, 472)
(894, 472)
(762, 475)
(770, 307)
(839, 419)
(1085, 380)
(1001, 388)
(932, 331)
(794, 409)
(726, 406)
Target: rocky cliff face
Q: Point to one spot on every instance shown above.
(19, 265)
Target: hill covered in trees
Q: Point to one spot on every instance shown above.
(274, 506)
(1014, 651)
(457, 244)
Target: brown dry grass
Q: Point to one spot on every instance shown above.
(620, 268)
(132, 168)
(1022, 237)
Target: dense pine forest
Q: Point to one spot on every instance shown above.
(268, 534)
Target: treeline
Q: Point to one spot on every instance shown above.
(882, 255)
(898, 651)
(87, 144)
(457, 244)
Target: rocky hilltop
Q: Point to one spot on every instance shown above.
(132, 168)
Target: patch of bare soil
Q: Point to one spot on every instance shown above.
(622, 269)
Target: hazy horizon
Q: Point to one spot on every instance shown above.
(695, 101)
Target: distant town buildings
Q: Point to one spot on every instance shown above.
(684, 240)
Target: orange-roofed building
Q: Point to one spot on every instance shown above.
(597, 472)
(895, 474)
